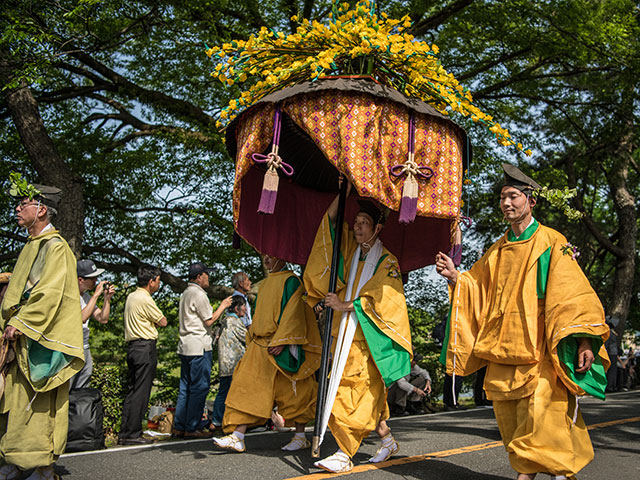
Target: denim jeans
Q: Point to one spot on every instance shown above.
(218, 404)
(195, 375)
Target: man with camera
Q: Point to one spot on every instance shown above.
(87, 280)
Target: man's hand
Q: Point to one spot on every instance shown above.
(446, 268)
(427, 387)
(11, 333)
(226, 302)
(275, 351)
(99, 288)
(332, 300)
(419, 391)
(585, 355)
(319, 307)
(108, 291)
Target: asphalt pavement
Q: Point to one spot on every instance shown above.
(451, 445)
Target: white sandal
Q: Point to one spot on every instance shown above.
(297, 443)
(230, 442)
(385, 452)
(339, 462)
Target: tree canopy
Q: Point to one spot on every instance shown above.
(113, 102)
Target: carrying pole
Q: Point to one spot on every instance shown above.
(326, 340)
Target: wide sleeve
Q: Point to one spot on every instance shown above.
(572, 308)
(381, 310)
(51, 315)
(318, 268)
(292, 324)
(468, 303)
(297, 331)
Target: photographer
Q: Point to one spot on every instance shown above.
(87, 280)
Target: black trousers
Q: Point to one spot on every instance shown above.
(142, 359)
(447, 392)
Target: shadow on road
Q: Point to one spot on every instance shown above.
(440, 470)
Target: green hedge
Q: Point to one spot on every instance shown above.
(111, 380)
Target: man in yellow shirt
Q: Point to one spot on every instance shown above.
(141, 317)
(527, 312)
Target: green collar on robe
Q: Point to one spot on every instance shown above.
(526, 235)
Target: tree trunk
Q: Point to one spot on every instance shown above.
(624, 203)
(52, 170)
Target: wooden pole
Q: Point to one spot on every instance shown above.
(326, 340)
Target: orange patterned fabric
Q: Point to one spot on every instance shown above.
(363, 136)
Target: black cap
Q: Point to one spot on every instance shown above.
(49, 196)
(370, 208)
(88, 269)
(513, 177)
(197, 268)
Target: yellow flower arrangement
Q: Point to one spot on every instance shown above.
(356, 41)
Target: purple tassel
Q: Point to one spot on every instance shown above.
(267, 201)
(408, 209)
(269, 192)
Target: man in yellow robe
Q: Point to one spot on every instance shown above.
(41, 314)
(527, 312)
(277, 369)
(370, 296)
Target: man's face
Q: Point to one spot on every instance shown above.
(514, 204)
(27, 212)
(363, 228)
(154, 285)
(87, 283)
(203, 280)
(269, 262)
(246, 283)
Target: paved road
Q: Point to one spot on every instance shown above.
(454, 445)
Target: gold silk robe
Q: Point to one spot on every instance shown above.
(261, 380)
(381, 350)
(34, 410)
(511, 312)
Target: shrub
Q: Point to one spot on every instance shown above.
(111, 380)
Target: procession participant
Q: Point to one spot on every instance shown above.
(141, 317)
(41, 314)
(195, 351)
(88, 280)
(527, 312)
(371, 295)
(277, 369)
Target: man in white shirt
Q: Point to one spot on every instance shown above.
(87, 279)
(410, 389)
(241, 285)
(195, 351)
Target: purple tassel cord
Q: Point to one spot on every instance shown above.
(414, 172)
(269, 194)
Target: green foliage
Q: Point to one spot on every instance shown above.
(560, 200)
(20, 187)
(111, 380)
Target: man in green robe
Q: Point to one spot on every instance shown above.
(41, 316)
